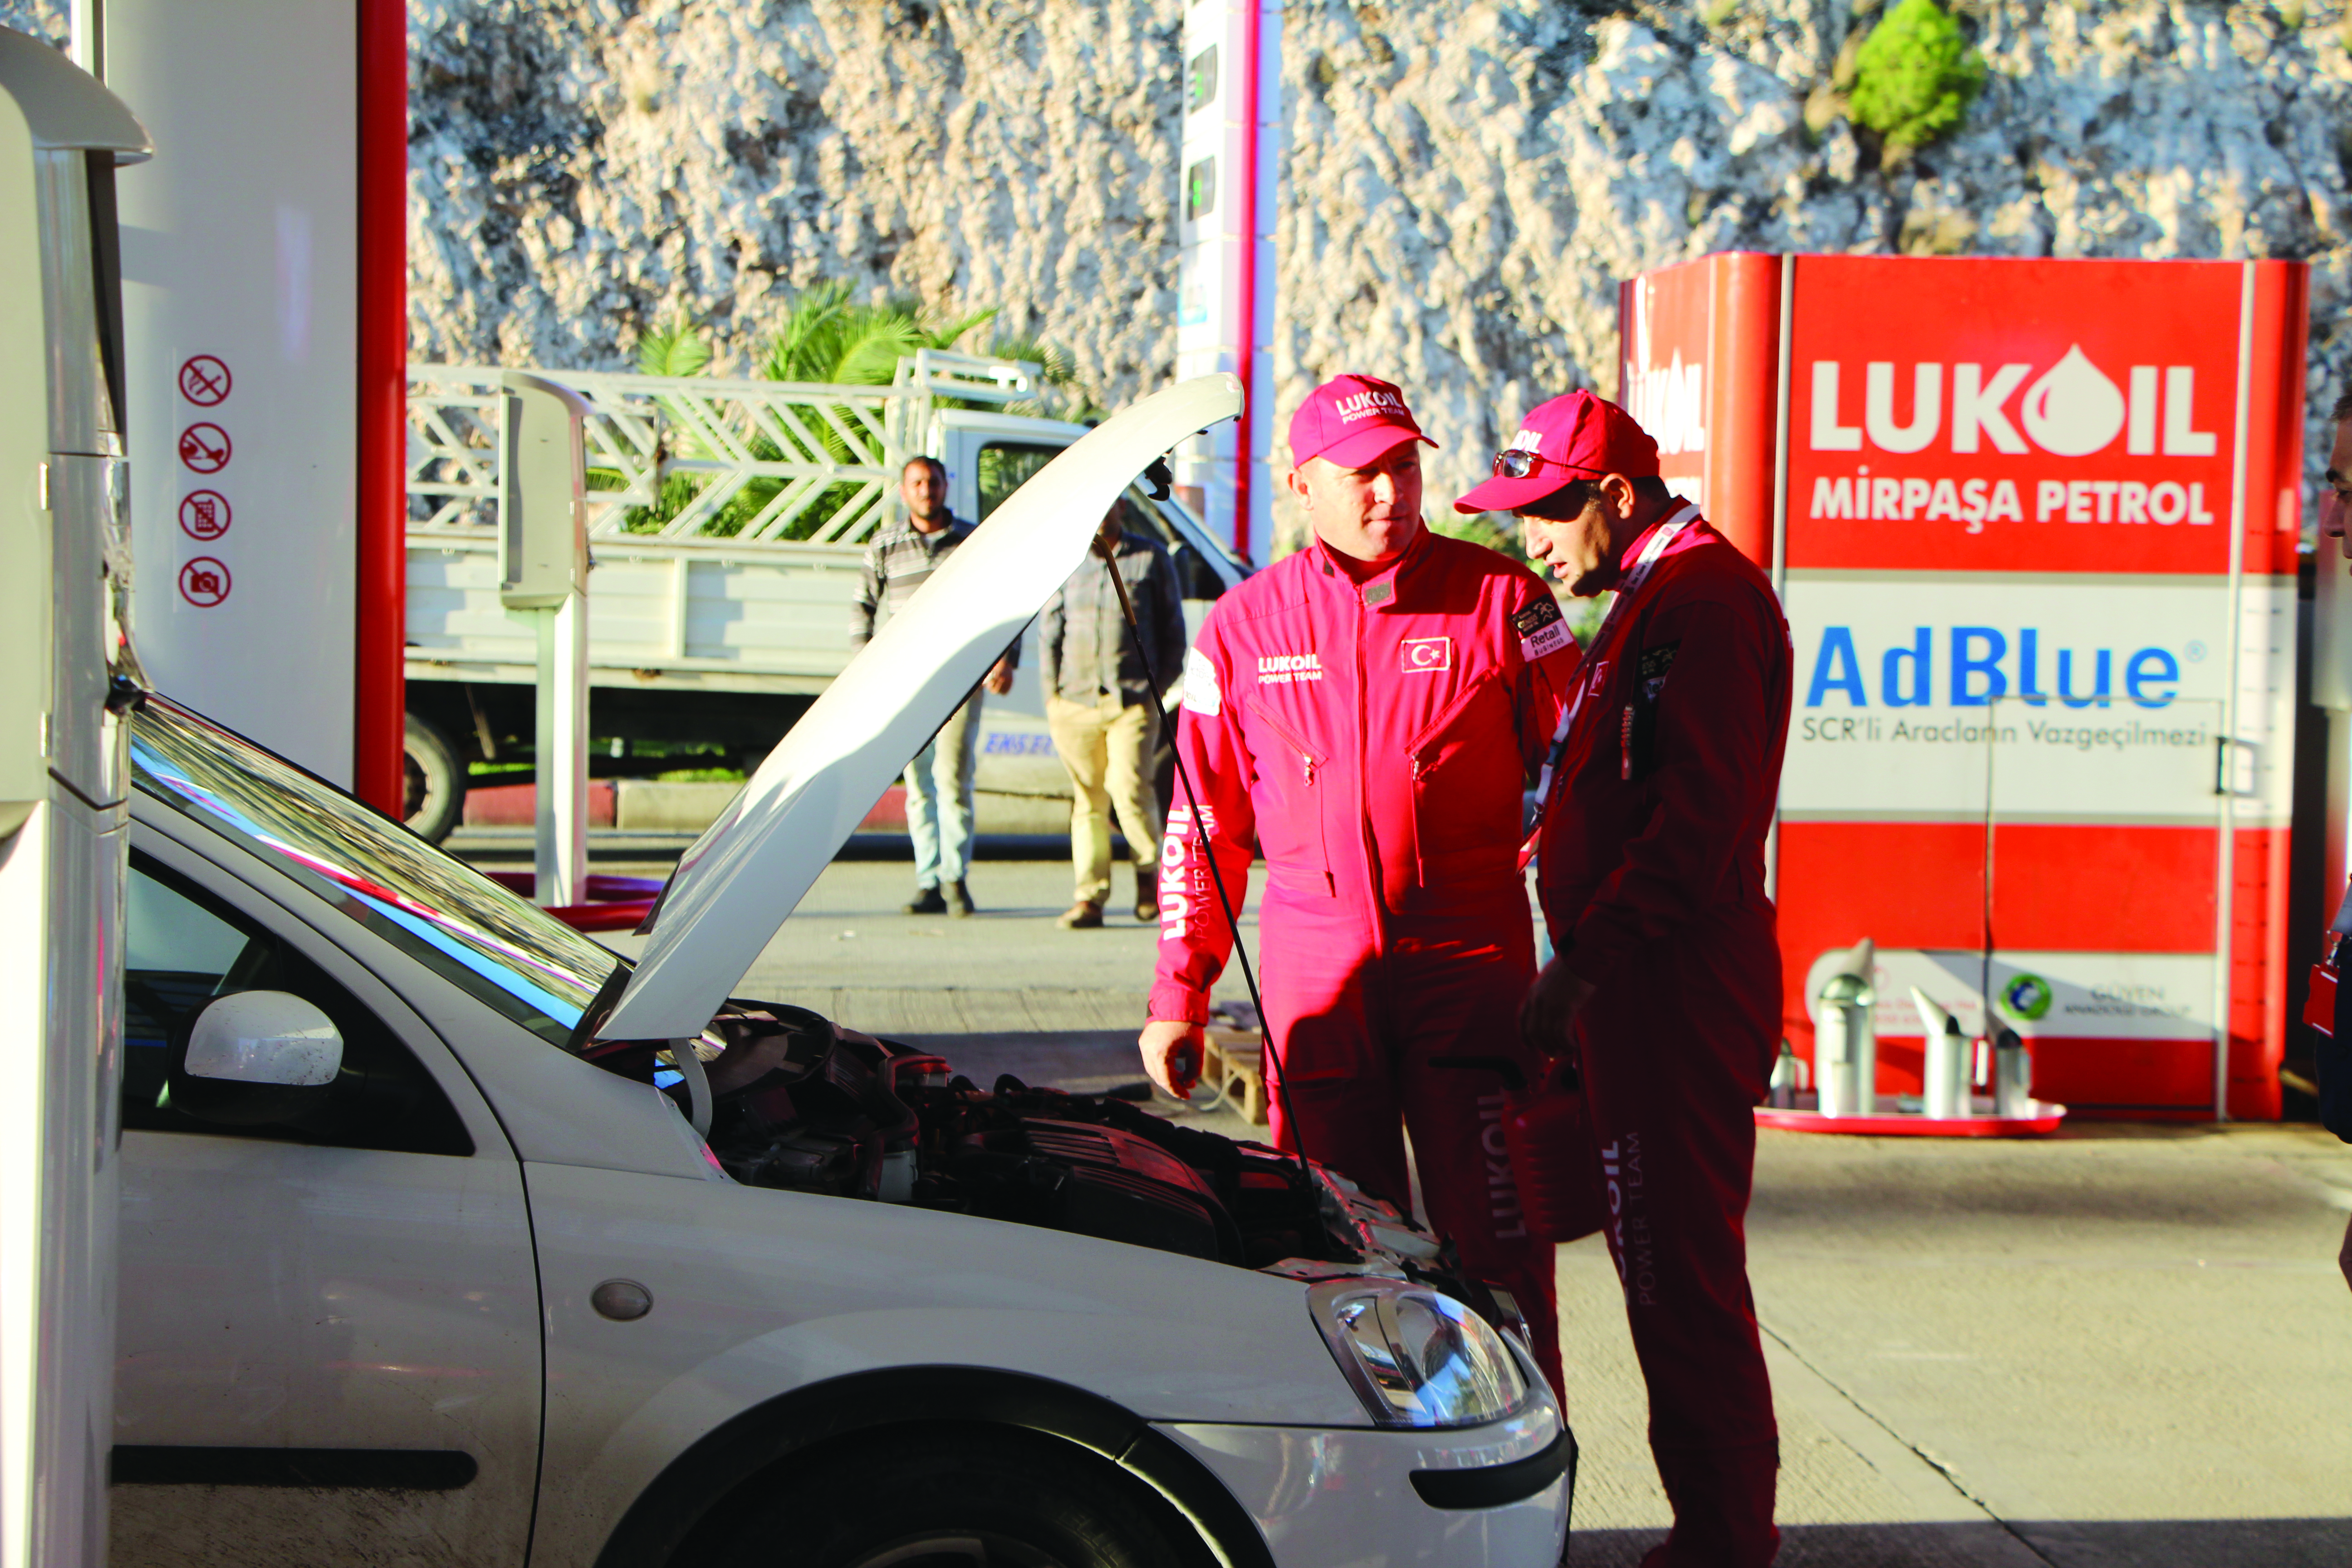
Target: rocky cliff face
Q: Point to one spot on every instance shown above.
(581, 169)
(1467, 183)
(1466, 180)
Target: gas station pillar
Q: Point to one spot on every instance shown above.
(64, 783)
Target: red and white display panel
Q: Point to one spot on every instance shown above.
(264, 320)
(2034, 530)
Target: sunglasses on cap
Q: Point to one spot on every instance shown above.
(1517, 463)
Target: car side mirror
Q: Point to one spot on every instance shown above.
(255, 1057)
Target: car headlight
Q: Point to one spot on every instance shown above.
(1416, 1358)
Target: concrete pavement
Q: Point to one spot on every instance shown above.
(2124, 1345)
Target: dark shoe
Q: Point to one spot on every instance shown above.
(958, 901)
(1084, 915)
(1147, 896)
(928, 902)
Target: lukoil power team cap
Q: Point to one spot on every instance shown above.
(1578, 437)
(1352, 420)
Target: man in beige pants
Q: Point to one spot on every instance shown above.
(1102, 710)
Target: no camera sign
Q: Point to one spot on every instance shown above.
(204, 582)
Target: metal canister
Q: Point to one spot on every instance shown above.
(1945, 1085)
(1845, 1047)
(2013, 1075)
(1782, 1085)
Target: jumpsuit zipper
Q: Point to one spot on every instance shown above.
(1307, 760)
(1373, 908)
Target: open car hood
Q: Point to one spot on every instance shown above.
(747, 873)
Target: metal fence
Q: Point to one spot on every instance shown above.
(687, 459)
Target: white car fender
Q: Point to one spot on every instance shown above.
(758, 1293)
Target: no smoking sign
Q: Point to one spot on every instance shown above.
(204, 381)
(204, 582)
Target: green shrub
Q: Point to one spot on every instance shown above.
(1915, 75)
(1496, 530)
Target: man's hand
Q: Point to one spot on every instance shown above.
(1172, 1053)
(1552, 1004)
(1000, 680)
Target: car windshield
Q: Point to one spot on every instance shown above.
(513, 955)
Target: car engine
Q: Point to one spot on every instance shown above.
(802, 1104)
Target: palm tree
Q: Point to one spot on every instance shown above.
(674, 350)
(829, 340)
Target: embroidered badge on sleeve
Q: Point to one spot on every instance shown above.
(1542, 629)
(1656, 662)
(1202, 695)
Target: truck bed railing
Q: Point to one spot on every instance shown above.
(732, 465)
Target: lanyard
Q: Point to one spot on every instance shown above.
(1602, 642)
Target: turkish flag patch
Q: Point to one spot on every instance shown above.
(1426, 655)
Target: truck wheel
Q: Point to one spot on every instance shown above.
(435, 797)
(960, 1499)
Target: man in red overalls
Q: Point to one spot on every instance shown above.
(1658, 791)
(1366, 711)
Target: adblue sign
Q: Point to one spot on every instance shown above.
(2084, 698)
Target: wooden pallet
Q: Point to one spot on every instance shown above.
(1235, 1065)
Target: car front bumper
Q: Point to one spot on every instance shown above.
(1481, 1497)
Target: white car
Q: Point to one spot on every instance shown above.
(424, 1261)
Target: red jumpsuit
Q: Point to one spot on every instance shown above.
(1651, 870)
(1370, 731)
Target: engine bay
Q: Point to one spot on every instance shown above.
(801, 1104)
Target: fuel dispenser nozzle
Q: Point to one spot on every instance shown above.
(2013, 1075)
(1845, 1039)
(1944, 1076)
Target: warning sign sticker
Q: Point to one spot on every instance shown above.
(204, 381)
(204, 582)
(204, 514)
(205, 448)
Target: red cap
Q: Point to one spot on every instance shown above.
(1578, 437)
(1350, 420)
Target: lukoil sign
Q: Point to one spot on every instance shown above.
(2073, 411)
(2087, 422)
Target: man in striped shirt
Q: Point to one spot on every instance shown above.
(939, 780)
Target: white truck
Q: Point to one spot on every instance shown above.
(728, 521)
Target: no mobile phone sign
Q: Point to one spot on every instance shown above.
(204, 514)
